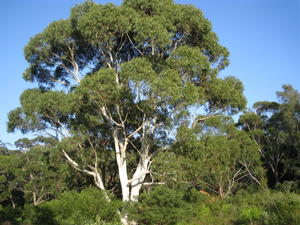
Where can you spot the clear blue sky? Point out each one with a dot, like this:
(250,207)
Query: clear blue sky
(263,37)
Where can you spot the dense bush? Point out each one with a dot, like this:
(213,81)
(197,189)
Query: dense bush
(73,208)
(167,207)
(88,207)
(9,216)
(268,208)
(160,206)
(98,221)
(261,208)
(37,215)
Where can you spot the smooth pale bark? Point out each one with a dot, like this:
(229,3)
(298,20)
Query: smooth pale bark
(12,202)
(37,200)
(34,199)
(98,180)
(145,160)
(138,178)
(120,149)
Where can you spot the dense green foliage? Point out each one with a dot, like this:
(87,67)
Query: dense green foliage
(69,208)
(134,126)
(276,129)
(163,206)
(167,206)
(229,159)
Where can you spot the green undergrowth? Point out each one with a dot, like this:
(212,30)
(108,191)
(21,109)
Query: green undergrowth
(161,206)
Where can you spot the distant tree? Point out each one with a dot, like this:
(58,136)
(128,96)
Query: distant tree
(214,156)
(9,194)
(3,148)
(40,175)
(276,128)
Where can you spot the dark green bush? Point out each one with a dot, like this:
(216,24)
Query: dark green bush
(73,208)
(37,215)
(283,208)
(244,208)
(160,206)
(209,212)
(88,207)
(267,208)
(10,216)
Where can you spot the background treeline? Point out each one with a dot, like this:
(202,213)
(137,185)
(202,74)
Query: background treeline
(218,172)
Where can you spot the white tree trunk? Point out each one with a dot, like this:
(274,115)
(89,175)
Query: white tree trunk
(138,178)
(120,149)
(124,180)
(34,199)
(144,163)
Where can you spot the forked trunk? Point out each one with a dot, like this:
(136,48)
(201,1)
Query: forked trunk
(138,178)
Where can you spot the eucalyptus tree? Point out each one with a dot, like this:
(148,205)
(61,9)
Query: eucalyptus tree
(214,156)
(9,195)
(275,128)
(3,148)
(32,175)
(40,172)
(118,79)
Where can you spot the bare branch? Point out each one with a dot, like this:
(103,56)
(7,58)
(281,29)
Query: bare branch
(203,119)
(95,153)
(253,177)
(135,132)
(71,161)
(109,117)
(58,81)
(153,183)
(137,178)
(133,44)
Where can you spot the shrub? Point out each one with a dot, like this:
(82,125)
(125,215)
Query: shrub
(244,208)
(161,206)
(73,208)
(267,208)
(98,221)
(9,216)
(250,215)
(283,208)
(37,215)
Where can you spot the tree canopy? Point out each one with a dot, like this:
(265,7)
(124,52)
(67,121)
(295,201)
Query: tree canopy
(275,127)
